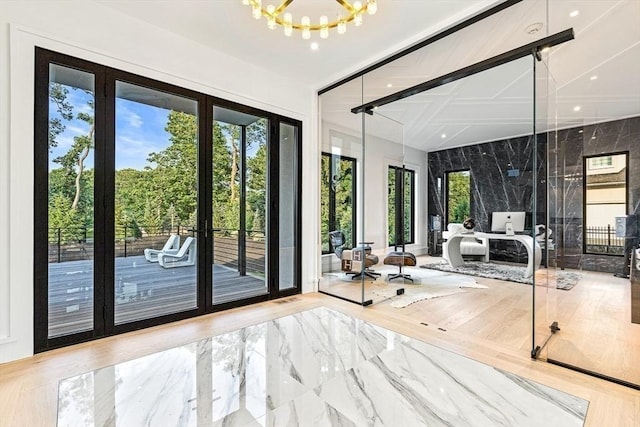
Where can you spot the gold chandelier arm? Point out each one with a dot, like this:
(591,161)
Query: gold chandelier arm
(279,9)
(278,13)
(347,6)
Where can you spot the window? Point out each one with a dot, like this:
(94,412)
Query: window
(338,197)
(401,199)
(152,202)
(600,162)
(458,196)
(605,197)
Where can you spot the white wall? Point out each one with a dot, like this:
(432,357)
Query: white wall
(379,155)
(96,33)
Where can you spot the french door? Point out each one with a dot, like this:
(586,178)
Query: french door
(154,203)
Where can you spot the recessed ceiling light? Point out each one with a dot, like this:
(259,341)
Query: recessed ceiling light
(574,13)
(580,131)
(594,77)
(593,137)
(444,135)
(314,46)
(389,85)
(576,108)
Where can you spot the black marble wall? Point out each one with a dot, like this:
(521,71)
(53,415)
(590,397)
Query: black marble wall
(567,213)
(494,190)
(501,180)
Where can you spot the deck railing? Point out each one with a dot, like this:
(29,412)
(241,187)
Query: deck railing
(603,240)
(76,243)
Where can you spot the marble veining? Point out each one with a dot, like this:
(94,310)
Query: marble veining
(314,368)
(494,189)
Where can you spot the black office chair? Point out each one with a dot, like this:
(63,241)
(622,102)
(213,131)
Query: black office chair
(352,259)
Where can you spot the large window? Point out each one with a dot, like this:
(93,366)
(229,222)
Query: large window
(605,197)
(154,203)
(338,198)
(401,200)
(458,196)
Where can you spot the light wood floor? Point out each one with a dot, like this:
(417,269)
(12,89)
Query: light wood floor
(28,388)
(594,317)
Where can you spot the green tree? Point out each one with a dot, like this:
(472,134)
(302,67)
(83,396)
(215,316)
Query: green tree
(73,160)
(63,220)
(175,173)
(223,209)
(256,189)
(459,190)
(72,180)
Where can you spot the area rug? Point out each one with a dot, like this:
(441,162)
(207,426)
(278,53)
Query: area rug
(433,290)
(512,273)
(424,286)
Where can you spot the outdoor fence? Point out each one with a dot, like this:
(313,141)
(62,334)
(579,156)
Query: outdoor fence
(77,243)
(603,240)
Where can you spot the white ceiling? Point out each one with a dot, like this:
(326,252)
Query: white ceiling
(492,105)
(498,103)
(227,26)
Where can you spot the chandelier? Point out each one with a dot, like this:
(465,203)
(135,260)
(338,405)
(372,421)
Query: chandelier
(277,15)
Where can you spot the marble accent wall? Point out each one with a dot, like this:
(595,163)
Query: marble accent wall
(495,184)
(567,212)
(494,190)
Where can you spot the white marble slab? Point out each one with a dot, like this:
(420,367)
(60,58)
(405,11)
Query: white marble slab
(317,367)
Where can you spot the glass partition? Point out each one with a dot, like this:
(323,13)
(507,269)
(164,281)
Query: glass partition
(545,291)
(594,192)
(344,262)
(524,165)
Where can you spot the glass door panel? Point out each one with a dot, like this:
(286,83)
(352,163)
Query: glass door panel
(287,223)
(239,205)
(70,207)
(156,154)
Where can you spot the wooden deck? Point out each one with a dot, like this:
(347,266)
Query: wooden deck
(143,290)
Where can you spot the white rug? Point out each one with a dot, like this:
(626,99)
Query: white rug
(427,284)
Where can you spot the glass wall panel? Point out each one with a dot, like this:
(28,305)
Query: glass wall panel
(70,209)
(156,153)
(287,223)
(239,205)
(596,188)
(342,187)
(546,290)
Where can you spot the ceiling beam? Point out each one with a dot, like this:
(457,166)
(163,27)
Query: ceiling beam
(533,48)
(447,32)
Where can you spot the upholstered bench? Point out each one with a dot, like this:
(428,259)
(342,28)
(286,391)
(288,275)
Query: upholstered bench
(400,259)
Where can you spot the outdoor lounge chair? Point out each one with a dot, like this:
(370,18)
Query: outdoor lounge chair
(184,257)
(172,246)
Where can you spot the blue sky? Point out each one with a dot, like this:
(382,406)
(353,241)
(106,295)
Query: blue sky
(139,131)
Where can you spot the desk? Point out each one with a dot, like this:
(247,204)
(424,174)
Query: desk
(534,253)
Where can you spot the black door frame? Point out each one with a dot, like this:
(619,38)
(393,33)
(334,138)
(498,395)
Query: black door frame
(104,201)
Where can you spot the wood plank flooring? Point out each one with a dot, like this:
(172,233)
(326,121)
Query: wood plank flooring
(28,388)
(143,290)
(594,317)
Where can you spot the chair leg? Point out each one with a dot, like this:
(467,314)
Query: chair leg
(400,274)
(372,274)
(391,277)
